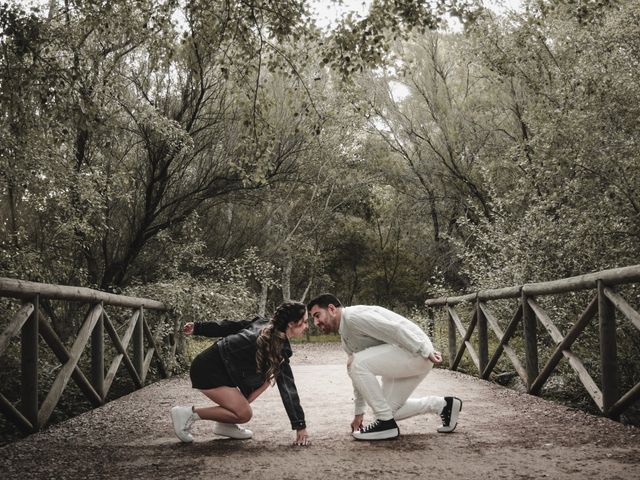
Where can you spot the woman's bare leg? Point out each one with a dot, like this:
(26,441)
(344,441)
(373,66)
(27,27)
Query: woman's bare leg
(232,407)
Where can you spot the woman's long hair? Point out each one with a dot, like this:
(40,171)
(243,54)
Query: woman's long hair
(272,337)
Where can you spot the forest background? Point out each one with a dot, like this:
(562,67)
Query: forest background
(222,156)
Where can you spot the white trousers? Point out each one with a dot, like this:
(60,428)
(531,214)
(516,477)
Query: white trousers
(400,372)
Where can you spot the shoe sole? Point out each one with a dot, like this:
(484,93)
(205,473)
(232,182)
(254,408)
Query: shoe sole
(235,433)
(235,437)
(173,421)
(454,417)
(384,435)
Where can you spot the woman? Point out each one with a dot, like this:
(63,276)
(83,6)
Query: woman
(234,371)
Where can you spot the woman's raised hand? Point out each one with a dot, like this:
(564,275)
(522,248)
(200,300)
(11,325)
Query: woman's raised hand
(188,328)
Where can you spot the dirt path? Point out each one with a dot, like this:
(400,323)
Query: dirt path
(501,434)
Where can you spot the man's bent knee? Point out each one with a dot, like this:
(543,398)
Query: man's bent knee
(356,367)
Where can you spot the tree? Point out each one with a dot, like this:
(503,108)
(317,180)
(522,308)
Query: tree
(358,45)
(147,129)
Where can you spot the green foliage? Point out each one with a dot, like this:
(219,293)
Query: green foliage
(573,208)
(135,131)
(218,294)
(360,44)
(129,142)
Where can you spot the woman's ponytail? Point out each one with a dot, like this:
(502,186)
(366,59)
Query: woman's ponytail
(272,337)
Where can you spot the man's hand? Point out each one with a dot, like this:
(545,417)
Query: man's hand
(435,357)
(188,328)
(302,438)
(356,424)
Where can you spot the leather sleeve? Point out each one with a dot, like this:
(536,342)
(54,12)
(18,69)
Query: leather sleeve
(221,328)
(290,398)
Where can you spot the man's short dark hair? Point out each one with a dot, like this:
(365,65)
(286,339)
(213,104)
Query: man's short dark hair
(323,301)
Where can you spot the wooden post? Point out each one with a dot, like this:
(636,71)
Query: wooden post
(138,345)
(483,339)
(29,349)
(453,349)
(529,324)
(97,355)
(608,350)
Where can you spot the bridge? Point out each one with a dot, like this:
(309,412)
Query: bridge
(501,434)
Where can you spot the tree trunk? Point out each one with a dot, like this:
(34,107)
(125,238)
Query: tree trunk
(262,302)
(14,215)
(306,290)
(286,275)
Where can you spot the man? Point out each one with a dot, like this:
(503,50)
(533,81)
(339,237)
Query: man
(382,343)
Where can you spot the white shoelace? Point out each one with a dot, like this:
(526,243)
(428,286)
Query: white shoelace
(370,427)
(189,423)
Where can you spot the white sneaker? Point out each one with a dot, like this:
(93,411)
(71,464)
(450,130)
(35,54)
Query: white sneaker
(232,430)
(183,418)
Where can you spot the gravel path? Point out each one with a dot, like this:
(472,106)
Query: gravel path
(501,434)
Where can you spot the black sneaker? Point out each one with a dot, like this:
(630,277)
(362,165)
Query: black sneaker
(449,414)
(378,430)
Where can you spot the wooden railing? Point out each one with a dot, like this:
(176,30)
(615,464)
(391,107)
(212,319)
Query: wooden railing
(31,323)
(604,303)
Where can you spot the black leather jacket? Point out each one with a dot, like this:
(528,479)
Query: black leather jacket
(238,351)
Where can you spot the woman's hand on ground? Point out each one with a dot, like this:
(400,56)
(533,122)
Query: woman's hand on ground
(302,438)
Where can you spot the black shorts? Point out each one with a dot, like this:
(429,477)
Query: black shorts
(208,370)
